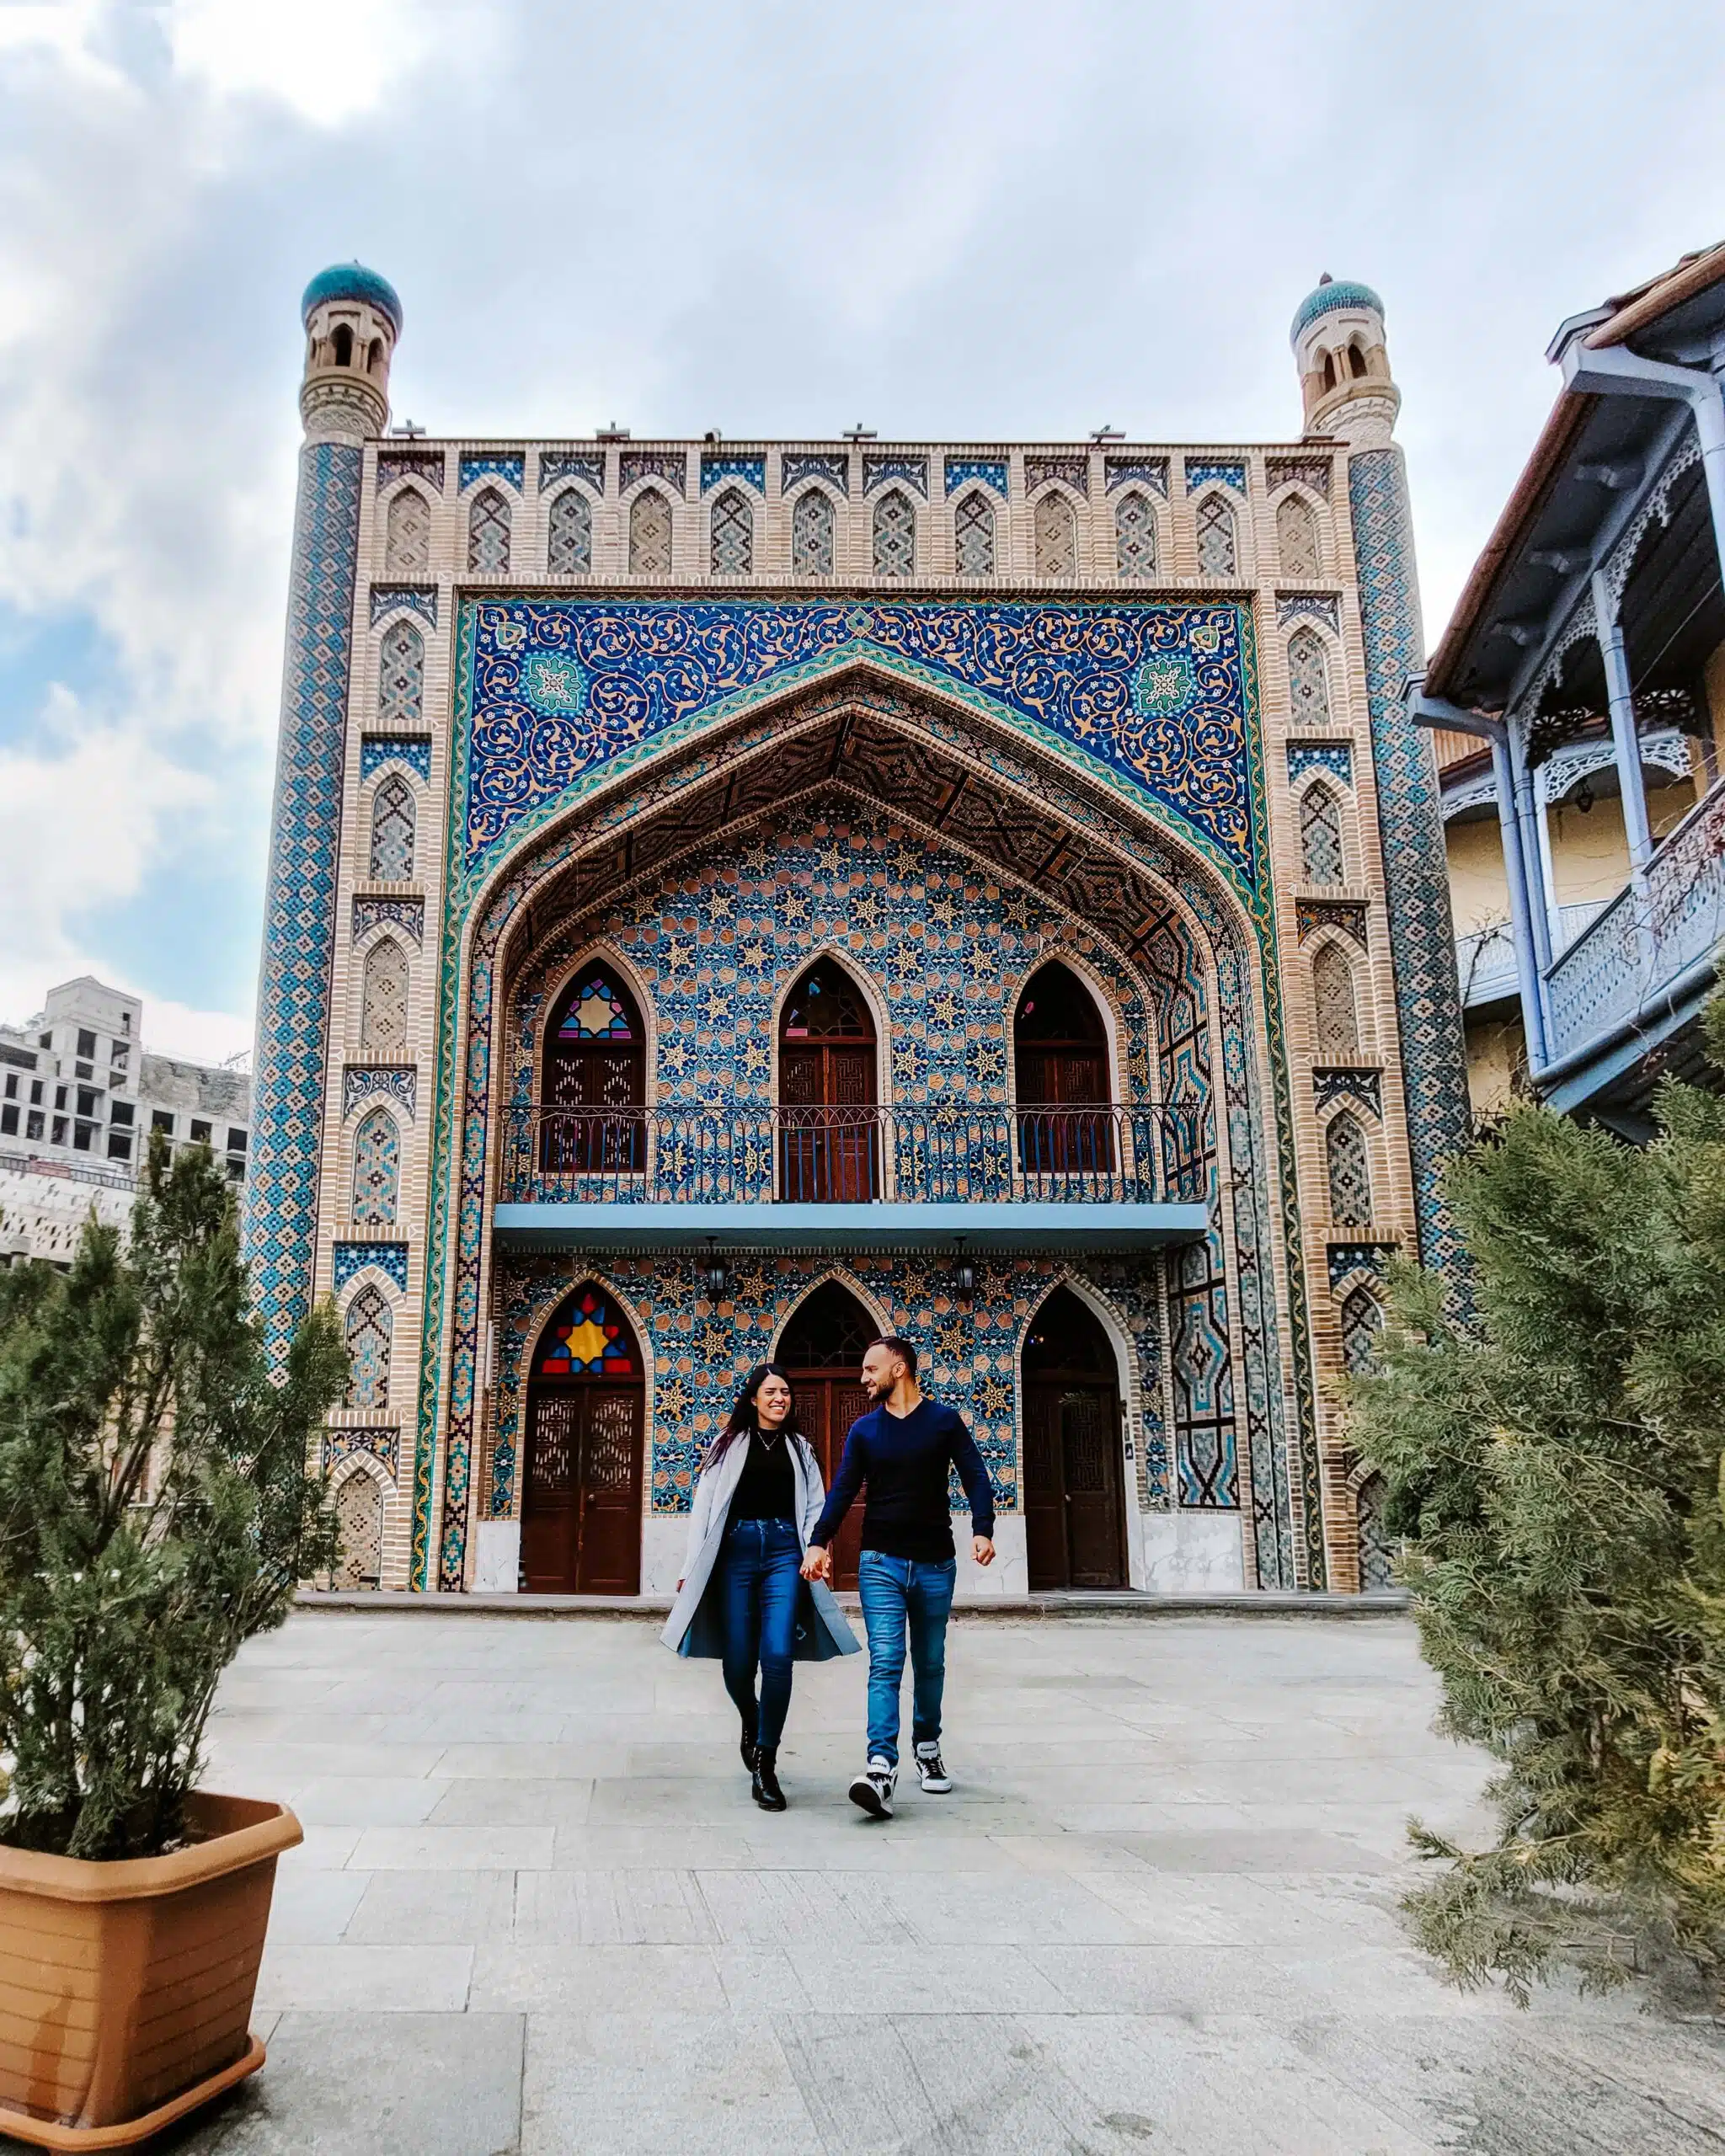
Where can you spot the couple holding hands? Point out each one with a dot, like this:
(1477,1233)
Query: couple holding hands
(755,1593)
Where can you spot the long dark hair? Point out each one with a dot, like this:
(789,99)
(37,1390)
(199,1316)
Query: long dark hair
(744,1421)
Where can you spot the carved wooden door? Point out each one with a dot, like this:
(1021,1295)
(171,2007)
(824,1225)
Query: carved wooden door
(581,1513)
(824,1406)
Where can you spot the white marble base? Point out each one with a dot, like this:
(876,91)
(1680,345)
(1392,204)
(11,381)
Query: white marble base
(497,1557)
(1009,1574)
(665,1542)
(1192,1553)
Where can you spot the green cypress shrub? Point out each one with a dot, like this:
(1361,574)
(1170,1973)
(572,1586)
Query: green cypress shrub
(156,1508)
(1556,1461)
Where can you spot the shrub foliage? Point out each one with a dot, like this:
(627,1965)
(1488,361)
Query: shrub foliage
(156,1508)
(1555,1464)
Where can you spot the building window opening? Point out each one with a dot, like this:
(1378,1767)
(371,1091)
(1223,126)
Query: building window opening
(1075,1514)
(1061,1069)
(343,344)
(829,1139)
(592,1119)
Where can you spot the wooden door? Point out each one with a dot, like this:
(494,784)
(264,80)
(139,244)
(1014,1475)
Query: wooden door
(1060,1068)
(823,1406)
(595,1060)
(581,1511)
(830,1146)
(1075,1515)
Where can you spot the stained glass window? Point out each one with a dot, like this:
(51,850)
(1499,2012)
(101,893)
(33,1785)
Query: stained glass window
(1321,836)
(586,1339)
(1361,1320)
(732,534)
(406,544)
(1296,536)
(383,1022)
(811,533)
(1349,1171)
(649,534)
(376,1169)
(1134,535)
(597,1013)
(973,536)
(569,544)
(1332,1002)
(1056,541)
(487,533)
(370,1326)
(393,831)
(1216,552)
(1308,677)
(894,536)
(401,675)
(827,1002)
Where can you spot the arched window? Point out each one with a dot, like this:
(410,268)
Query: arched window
(343,345)
(1362,1320)
(830,1146)
(1349,1172)
(732,534)
(894,536)
(393,831)
(374,356)
(1296,536)
(972,536)
(649,534)
(406,544)
(376,1169)
(811,533)
(568,541)
(359,1522)
(401,675)
(1377,1546)
(370,1327)
(1329,374)
(1055,536)
(1356,361)
(487,533)
(383,1015)
(1321,858)
(1060,1067)
(1134,535)
(1338,1019)
(1217,555)
(1308,678)
(595,1077)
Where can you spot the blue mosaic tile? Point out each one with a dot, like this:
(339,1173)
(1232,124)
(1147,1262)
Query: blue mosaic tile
(1333,756)
(419,599)
(911,471)
(424,464)
(409,914)
(512,470)
(413,749)
(991,470)
(1292,606)
(584,464)
(1152,472)
(1346,1259)
(716,470)
(382,1445)
(395,1082)
(1200,475)
(668,466)
(391,1260)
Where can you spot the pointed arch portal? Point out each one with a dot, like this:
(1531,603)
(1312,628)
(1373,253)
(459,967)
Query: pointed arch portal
(821,1346)
(581,1506)
(1075,1510)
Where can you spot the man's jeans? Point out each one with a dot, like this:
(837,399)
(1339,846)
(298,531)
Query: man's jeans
(900,1593)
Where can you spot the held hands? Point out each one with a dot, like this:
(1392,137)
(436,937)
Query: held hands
(982,1550)
(817,1563)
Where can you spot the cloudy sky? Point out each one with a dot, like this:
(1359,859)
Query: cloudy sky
(946,220)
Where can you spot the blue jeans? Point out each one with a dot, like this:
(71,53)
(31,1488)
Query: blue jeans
(762,1562)
(901,1593)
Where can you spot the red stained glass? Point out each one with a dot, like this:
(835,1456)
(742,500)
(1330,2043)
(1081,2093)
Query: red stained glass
(586,1339)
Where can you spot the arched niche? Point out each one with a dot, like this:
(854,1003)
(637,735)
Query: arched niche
(581,1496)
(828,1084)
(821,1345)
(1074,1485)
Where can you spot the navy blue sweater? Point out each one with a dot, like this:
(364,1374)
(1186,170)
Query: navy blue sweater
(904,1460)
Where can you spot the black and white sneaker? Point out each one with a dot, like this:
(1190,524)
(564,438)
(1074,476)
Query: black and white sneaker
(872,1789)
(931,1771)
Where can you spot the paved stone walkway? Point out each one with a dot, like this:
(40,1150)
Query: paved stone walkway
(536,1910)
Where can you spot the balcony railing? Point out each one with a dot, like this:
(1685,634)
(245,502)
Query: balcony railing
(762,1155)
(1648,937)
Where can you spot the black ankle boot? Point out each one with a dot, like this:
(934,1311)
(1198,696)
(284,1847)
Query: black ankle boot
(750,1750)
(766,1792)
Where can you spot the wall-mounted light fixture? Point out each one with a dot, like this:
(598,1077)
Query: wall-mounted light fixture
(963,1272)
(718,1274)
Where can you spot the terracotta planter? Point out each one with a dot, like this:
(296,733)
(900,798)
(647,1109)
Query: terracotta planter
(125,1989)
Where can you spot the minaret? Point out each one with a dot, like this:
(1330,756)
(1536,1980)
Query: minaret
(1345,381)
(1350,395)
(352,319)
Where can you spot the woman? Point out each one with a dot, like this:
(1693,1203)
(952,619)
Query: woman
(742,1597)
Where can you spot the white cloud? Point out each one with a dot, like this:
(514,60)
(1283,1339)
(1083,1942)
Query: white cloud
(330,61)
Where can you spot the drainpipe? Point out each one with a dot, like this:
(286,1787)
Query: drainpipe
(1438,711)
(1626,743)
(1616,371)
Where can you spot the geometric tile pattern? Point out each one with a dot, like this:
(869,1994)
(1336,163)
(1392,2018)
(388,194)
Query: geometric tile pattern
(572,464)
(716,470)
(1416,878)
(1344,1084)
(991,470)
(360,1082)
(384,1445)
(1292,471)
(1304,756)
(1159,692)
(409,914)
(1152,472)
(793,469)
(1314,605)
(912,470)
(413,749)
(1220,475)
(509,468)
(1348,915)
(1345,1258)
(391,1259)
(419,599)
(1073,472)
(426,465)
(668,465)
(299,906)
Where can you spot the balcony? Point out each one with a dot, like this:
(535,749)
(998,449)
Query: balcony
(767,1178)
(1634,979)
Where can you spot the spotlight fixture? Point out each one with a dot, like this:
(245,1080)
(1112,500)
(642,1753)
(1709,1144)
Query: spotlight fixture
(718,1274)
(964,1273)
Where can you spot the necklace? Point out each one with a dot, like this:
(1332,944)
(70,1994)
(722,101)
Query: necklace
(768,1438)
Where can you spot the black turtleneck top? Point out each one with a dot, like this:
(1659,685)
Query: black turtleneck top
(766,1490)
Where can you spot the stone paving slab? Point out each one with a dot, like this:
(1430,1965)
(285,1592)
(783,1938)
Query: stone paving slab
(536,1912)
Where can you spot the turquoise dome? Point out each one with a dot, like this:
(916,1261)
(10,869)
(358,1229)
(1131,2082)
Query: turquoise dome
(351,280)
(1331,293)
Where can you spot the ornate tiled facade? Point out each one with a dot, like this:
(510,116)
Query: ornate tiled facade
(940,781)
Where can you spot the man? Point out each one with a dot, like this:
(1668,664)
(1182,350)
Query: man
(903,1449)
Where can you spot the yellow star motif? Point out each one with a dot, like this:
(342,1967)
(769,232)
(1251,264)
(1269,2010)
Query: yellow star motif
(597,1013)
(587,1341)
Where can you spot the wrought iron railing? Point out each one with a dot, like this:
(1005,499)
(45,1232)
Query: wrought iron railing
(742,1155)
(1667,920)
